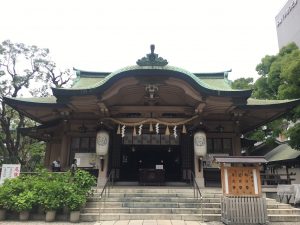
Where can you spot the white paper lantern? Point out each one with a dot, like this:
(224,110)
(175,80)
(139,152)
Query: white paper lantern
(200,145)
(102,142)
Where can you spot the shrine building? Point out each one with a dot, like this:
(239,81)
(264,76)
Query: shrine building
(150,117)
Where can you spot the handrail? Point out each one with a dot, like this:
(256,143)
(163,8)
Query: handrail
(196,189)
(193,182)
(106,190)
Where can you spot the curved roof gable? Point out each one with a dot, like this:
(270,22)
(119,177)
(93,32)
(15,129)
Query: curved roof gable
(215,84)
(91,82)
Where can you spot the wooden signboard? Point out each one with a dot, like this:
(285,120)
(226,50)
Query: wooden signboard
(241,181)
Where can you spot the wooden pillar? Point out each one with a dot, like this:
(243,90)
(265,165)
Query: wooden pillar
(237,148)
(47,154)
(116,154)
(187,161)
(64,150)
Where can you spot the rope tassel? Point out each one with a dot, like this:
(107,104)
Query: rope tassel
(183,129)
(167,131)
(119,129)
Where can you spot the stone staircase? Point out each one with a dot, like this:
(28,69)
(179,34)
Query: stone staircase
(176,203)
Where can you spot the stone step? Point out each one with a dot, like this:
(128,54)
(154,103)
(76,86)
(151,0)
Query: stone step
(85,217)
(147,190)
(154,210)
(159,199)
(279,206)
(206,210)
(124,216)
(289,211)
(155,195)
(284,218)
(158,190)
(150,205)
(143,203)
(207,205)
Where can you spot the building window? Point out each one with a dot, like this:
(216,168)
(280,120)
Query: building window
(82,145)
(219,145)
(151,139)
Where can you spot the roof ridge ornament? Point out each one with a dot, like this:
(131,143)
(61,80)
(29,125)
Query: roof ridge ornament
(152,59)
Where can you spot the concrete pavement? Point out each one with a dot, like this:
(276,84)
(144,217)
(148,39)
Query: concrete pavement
(134,222)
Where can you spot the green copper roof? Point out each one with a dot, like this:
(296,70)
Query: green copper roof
(133,68)
(213,84)
(93,82)
(86,82)
(220,84)
(86,79)
(281,153)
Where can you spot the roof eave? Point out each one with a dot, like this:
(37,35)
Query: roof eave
(85,73)
(59,92)
(15,103)
(287,106)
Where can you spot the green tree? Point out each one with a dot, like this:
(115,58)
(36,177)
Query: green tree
(294,134)
(242,83)
(22,67)
(280,79)
(279,75)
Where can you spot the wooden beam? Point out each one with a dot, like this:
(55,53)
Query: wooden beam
(153,109)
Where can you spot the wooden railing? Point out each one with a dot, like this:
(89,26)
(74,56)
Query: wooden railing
(106,190)
(243,210)
(275,179)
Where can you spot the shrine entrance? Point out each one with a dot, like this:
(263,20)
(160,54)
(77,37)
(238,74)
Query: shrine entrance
(164,159)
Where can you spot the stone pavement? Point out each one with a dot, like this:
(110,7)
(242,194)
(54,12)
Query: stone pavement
(134,222)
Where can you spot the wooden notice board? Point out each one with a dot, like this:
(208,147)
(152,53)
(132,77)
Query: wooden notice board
(241,181)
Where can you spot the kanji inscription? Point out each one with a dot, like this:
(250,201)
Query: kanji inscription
(240,181)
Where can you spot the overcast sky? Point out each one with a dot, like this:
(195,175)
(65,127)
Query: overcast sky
(98,35)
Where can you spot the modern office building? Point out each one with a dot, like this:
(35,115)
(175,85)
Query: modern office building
(288,23)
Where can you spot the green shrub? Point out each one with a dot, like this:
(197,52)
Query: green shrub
(50,190)
(84,180)
(24,201)
(4,197)
(13,187)
(75,198)
(18,194)
(51,195)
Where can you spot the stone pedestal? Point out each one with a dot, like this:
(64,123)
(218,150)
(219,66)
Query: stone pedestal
(199,172)
(101,181)
(200,182)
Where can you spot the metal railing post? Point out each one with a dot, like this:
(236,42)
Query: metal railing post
(105,191)
(197,192)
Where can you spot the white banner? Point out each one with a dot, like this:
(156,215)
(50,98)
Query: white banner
(9,171)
